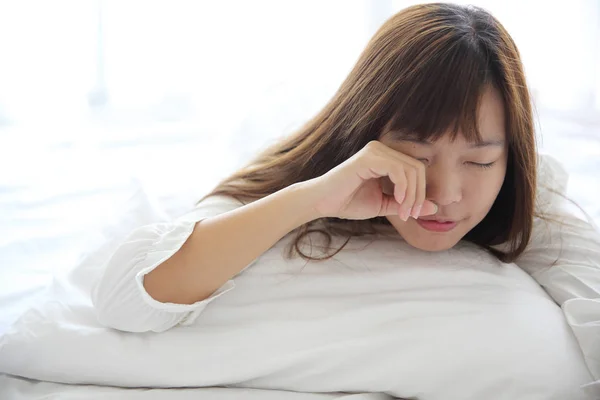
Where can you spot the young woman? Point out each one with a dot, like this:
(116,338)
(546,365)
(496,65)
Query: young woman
(425,156)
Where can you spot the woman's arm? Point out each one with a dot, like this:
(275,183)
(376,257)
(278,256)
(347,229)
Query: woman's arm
(221,246)
(120,297)
(166,274)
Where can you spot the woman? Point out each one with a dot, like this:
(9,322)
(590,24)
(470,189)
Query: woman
(427,150)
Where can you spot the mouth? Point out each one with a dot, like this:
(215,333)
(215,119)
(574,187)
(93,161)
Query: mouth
(437,225)
(440,220)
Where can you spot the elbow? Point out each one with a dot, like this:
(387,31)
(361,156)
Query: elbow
(107,318)
(119,317)
(126,310)
(118,297)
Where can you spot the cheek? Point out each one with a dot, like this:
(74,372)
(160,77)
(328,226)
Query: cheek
(483,190)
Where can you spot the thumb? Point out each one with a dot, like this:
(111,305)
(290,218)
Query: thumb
(429,208)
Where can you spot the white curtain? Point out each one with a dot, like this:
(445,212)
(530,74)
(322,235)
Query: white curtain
(560,45)
(71,67)
(105,103)
(102,101)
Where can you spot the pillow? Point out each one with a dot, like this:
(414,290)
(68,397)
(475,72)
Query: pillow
(436,326)
(563,256)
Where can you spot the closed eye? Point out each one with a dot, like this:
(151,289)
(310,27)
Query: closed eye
(488,165)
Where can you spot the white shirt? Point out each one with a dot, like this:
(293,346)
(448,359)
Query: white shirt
(573,281)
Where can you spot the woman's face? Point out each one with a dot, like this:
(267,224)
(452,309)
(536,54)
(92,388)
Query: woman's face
(462,179)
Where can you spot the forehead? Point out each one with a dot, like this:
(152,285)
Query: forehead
(491,114)
(489,124)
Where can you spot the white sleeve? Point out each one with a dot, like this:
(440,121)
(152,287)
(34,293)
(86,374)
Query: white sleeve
(119,297)
(563,256)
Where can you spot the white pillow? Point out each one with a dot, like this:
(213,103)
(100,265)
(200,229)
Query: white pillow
(455,323)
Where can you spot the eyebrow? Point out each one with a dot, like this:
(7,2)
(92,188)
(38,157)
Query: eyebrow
(476,145)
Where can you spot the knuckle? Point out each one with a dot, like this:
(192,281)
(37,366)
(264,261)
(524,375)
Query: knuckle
(373,145)
(363,156)
(369,150)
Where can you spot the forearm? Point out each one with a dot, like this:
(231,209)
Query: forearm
(221,246)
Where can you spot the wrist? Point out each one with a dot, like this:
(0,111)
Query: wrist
(301,198)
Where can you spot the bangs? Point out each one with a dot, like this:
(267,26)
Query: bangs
(441,95)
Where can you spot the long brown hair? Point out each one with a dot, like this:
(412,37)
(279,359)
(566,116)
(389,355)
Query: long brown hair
(423,72)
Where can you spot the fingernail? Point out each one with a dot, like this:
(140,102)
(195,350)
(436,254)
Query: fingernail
(436,208)
(406,214)
(416,212)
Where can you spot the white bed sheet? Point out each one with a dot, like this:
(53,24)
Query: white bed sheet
(14,388)
(51,218)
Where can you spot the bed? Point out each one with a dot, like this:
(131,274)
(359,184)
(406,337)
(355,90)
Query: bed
(62,202)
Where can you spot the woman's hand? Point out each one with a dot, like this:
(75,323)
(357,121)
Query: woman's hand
(355,188)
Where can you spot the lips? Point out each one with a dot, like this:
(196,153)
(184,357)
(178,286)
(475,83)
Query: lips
(435,225)
(439,220)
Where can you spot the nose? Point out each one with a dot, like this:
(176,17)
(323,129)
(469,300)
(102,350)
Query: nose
(444,185)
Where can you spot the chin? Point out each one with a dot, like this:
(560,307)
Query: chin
(430,245)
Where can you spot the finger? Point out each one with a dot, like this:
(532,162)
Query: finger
(391,174)
(384,166)
(429,208)
(409,162)
(420,191)
(389,206)
(398,178)
(409,199)
(399,156)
